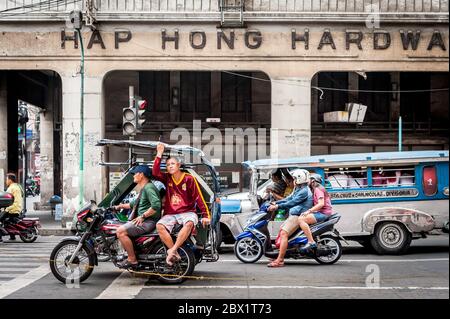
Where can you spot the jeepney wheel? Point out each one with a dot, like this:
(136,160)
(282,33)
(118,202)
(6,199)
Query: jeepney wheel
(391,239)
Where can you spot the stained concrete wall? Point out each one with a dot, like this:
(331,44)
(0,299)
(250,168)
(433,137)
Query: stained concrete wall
(3,130)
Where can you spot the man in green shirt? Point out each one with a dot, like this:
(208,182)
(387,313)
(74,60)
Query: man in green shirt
(146,211)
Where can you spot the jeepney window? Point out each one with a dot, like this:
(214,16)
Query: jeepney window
(346,178)
(393,176)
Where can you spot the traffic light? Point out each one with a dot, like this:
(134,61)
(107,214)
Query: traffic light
(22,115)
(141,106)
(129,121)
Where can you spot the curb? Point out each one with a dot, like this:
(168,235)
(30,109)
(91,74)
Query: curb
(55,232)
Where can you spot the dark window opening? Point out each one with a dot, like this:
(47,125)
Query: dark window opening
(155,88)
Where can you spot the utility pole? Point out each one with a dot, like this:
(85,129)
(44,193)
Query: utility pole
(76,18)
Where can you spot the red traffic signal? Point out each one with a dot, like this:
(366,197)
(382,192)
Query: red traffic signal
(142,104)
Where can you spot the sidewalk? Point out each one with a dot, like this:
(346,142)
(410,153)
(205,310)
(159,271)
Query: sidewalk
(49,225)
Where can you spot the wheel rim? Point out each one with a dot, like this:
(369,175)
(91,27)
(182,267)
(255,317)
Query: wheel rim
(334,247)
(391,236)
(248,249)
(178,270)
(29,234)
(74,271)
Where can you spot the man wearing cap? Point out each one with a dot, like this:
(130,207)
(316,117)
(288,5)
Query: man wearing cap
(146,211)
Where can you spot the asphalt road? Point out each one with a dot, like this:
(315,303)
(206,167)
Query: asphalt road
(422,273)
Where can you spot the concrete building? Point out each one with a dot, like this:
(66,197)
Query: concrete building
(274,64)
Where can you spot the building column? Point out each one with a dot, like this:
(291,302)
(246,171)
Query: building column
(3,130)
(94,129)
(46,145)
(291,117)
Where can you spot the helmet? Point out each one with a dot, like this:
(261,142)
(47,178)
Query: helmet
(317,178)
(301,176)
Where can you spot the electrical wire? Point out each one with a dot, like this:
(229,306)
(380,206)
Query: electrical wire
(49,5)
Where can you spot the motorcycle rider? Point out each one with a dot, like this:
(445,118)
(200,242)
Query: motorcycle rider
(183,197)
(15,209)
(297,203)
(146,211)
(319,212)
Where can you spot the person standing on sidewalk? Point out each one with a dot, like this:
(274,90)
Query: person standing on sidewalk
(15,209)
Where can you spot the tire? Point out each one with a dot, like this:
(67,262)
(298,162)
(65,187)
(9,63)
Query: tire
(29,235)
(248,250)
(391,238)
(336,248)
(183,273)
(71,278)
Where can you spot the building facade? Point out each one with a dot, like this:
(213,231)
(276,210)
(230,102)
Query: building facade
(260,64)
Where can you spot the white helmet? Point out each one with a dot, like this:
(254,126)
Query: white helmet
(301,176)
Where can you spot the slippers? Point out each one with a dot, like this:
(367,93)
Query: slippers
(275,264)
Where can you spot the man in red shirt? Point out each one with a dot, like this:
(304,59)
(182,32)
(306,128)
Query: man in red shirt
(183,197)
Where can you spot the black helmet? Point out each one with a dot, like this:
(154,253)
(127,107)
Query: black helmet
(316,177)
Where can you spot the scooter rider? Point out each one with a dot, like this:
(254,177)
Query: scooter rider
(297,203)
(146,212)
(15,209)
(318,213)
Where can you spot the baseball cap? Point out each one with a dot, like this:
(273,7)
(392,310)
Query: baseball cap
(142,169)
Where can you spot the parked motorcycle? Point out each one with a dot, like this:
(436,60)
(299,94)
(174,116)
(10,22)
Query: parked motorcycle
(74,258)
(25,228)
(31,188)
(255,241)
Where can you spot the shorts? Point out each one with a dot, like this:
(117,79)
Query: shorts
(169,221)
(291,225)
(320,217)
(145,228)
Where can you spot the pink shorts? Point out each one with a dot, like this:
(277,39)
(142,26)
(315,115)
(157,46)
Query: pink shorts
(169,221)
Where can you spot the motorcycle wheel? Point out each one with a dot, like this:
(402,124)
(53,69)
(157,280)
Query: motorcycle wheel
(76,272)
(29,235)
(336,250)
(248,250)
(180,270)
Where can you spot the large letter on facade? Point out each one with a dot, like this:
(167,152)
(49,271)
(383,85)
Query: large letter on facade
(166,38)
(256,37)
(96,38)
(229,41)
(376,40)
(410,38)
(65,38)
(202,36)
(436,40)
(121,36)
(355,37)
(300,38)
(327,39)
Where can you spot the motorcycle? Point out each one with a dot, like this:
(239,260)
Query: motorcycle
(255,241)
(74,258)
(26,228)
(31,188)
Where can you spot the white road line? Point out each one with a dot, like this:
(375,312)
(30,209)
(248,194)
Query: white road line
(15,269)
(351,260)
(22,281)
(20,263)
(123,287)
(297,287)
(25,256)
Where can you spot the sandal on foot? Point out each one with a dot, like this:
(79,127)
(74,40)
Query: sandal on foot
(275,264)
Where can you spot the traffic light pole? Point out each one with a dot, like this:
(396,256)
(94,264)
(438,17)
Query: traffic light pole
(131,138)
(24,165)
(81,173)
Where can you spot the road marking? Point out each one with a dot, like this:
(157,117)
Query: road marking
(20,263)
(123,287)
(350,260)
(297,287)
(16,269)
(22,281)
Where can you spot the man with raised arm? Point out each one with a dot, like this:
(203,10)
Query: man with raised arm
(183,198)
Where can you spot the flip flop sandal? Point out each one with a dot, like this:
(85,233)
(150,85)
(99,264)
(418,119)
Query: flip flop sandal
(275,265)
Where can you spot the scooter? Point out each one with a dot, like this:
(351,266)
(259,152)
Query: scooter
(255,241)
(25,228)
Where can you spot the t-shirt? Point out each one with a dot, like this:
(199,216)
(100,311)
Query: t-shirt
(319,193)
(182,196)
(16,191)
(149,199)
